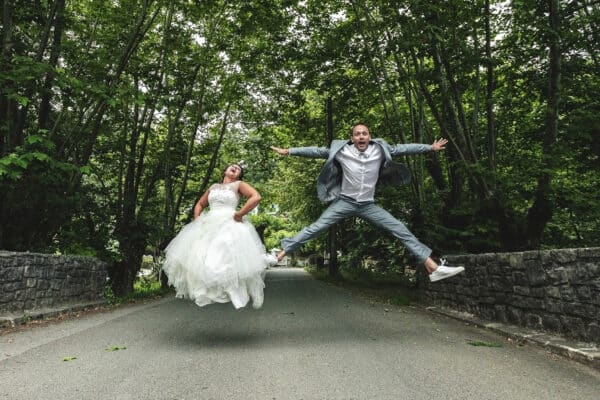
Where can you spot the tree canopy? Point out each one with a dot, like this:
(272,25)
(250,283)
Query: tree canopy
(116,116)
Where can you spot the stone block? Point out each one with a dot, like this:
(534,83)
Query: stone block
(514,315)
(534,304)
(486,300)
(17,305)
(592,312)
(496,270)
(13,286)
(576,309)
(498,284)
(7,297)
(30,304)
(462,289)
(42,284)
(535,275)
(588,252)
(552,306)
(533,321)
(567,293)
(518,278)
(553,292)
(552,322)
(45,302)
(531,255)
(573,326)
(537,292)
(500,298)
(487,313)
(593,332)
(579,274)
(20,295)
(583,293)
(515,261)
(525,303)
(592,269)
(30,293)
(10,274)
(32,271)
(558,276)
(485,258)
(500,314)
(521,290)
(561,256)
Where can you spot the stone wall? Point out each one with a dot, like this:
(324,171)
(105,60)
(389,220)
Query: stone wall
(30,282)
(550,290)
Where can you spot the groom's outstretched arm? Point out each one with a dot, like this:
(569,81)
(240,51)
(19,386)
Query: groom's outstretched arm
(310,152)
(279,150)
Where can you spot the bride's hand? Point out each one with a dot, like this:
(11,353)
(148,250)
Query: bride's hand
(237,217)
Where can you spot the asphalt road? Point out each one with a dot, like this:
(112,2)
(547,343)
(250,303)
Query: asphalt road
(310,340)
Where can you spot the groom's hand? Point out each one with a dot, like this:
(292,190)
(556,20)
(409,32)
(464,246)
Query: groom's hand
(278,150)
(439,144)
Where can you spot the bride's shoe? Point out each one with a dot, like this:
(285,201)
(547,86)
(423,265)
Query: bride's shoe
(271,260)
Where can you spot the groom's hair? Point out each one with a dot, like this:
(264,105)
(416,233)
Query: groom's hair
(359,123)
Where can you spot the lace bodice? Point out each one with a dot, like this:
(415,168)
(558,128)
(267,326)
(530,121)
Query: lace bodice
(224,195)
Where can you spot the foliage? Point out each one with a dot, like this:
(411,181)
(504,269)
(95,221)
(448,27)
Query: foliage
(143,289)
(116,116)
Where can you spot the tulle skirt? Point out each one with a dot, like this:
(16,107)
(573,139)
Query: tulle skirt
(215,259)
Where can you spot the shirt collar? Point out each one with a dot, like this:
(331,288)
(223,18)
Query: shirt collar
(365,154)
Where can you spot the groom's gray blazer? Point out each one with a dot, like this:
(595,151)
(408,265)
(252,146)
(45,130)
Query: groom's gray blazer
(329,182)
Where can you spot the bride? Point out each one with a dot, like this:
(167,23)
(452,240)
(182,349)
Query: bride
(219,257)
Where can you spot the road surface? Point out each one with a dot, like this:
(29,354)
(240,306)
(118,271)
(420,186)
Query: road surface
(311,340)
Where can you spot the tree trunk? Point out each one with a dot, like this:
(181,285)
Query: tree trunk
(132,240)
(8,107)
(213,160)
(332,233)
(140,30)
(44,111)
(489,98)
(542,209)
(30,87)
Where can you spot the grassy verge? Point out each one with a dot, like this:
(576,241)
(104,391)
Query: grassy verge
(142,290)
(388,288)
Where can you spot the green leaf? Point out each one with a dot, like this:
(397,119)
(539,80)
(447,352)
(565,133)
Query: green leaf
(115,348)
(69,358)
(40,156)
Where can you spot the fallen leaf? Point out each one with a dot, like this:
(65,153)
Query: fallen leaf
(115,348)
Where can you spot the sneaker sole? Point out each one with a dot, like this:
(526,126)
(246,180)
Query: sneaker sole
(439,278)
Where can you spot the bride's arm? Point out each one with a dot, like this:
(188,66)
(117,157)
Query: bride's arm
(201,204)
(252,201)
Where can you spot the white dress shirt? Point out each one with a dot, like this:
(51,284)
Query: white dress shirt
(360,171)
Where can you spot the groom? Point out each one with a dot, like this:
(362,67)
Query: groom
(348,180)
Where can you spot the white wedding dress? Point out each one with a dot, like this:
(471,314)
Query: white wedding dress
(215,259)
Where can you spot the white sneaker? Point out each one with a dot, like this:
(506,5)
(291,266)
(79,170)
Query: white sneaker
(271,260)
(443,272)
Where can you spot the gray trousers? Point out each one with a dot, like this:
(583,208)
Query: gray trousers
(345,207)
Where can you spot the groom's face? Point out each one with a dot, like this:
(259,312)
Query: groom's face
(361,137)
